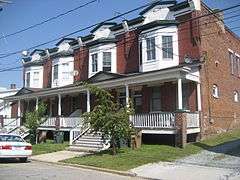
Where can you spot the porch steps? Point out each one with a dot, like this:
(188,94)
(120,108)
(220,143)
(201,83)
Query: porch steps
(89,143)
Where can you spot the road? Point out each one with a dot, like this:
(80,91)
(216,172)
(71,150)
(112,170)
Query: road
(43,171)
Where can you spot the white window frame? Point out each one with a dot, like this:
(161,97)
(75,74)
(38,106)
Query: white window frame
(231,58)
(28,79)
(215,91)
(151,48)
(55,73)
(107,64)
(94,64)
(236,96)
(65,71)
(166,49)
(36,79)
(156,98)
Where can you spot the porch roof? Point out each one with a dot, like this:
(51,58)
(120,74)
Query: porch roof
(111,80)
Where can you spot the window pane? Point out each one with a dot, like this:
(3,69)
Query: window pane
(94,62)
(151,52)
(28,79)
(55,72)
(107,61)
(167,47)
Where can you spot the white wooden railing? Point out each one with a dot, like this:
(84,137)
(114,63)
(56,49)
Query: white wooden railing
(64,122)
(153,120)
(192,120)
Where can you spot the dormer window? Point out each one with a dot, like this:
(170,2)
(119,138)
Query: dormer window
(94,62)
(151,51)
(167,47)
(107,59)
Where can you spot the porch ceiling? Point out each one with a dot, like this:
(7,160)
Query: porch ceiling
(133,79)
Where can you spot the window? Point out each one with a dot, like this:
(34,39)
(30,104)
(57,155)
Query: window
(122,98)
(167,47)
(238,66)
(94,62)
(185,96)
(215,91)
(55,72)
(36,78)
(28,79)
(137,101)
(151,51)
(231,58)
(235,96)
(107,58)
(65,71)
(156,99)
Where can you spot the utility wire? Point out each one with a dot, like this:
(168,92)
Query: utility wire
(110,19)
(49,19)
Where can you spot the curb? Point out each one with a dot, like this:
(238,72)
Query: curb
(123,173)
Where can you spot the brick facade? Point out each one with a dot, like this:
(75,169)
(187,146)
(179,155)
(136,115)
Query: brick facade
(81,57)
(127,52)
(47,73)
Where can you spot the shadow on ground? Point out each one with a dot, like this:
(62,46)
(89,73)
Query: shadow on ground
(231,148)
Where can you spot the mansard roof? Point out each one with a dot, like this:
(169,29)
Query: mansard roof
(101,41)
(64,39)
(37,51)
(103,24)
(131,22)
(156,4)
(158,23)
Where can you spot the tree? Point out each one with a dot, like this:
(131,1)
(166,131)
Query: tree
(33,121)
(108,117)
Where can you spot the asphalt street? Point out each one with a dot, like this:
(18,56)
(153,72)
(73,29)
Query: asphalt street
(44,171)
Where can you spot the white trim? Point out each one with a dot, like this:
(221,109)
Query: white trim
(230,50)
(166,131)
(179,87)
(193,130)
(199,103)
(59,105)
(88,101)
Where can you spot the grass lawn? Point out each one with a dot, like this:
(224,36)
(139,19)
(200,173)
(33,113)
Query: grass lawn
(48,147)
(127,159)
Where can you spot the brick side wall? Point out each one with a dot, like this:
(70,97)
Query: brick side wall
(81,57)
(47,73)
(127,52)
(188,37)
(219,114)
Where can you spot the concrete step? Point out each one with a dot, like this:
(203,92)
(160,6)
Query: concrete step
(89,145)
(88,142)
(83,149)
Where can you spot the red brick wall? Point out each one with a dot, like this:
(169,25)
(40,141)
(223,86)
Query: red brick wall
(168,97)
(81,57)
(14,109)
(47,73)
(127,52)
(188,37)
(223,113)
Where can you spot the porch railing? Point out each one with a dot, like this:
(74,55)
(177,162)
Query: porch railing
(64,122)
(153,120)
(192,120)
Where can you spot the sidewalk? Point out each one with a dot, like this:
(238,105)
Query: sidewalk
(57,156)
(175,171)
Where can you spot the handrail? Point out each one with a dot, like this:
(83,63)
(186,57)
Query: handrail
(80,135)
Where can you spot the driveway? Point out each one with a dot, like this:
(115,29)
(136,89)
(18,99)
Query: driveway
(219,163)
(44,171)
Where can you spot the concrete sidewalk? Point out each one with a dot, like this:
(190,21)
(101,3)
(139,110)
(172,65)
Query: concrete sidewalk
(57,156)
(174,171)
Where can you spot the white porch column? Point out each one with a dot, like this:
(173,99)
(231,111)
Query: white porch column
(180,102)
(37,103)
(127,95)
(4,109)
(199,103)
(88,101)
(59,105)
(19,108)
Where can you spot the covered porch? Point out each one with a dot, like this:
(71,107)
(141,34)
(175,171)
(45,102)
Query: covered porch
(165,101)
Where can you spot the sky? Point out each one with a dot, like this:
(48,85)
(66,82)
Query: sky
(23,13)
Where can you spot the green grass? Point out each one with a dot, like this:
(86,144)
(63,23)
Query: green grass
(127,159)
(48,147)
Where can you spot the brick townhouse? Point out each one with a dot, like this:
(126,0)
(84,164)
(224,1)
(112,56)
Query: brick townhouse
(181,72)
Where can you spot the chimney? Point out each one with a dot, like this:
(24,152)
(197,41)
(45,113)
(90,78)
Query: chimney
(12,86)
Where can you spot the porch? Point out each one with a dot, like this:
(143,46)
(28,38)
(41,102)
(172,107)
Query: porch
(163,101)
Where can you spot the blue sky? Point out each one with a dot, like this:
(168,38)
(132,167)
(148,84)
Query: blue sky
(23,13)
